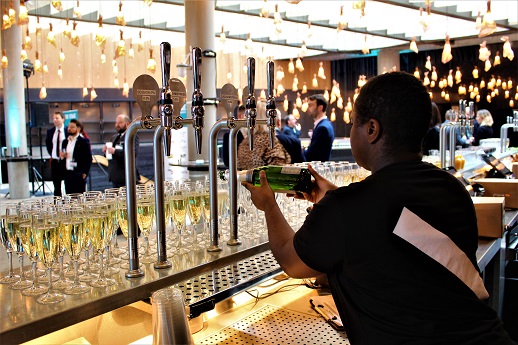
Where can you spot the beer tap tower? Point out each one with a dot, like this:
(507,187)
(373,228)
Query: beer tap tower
(465,123)
(172,96)
(229,99)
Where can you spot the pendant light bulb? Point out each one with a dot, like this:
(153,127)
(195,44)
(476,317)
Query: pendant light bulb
(321,73)
(446,52)
(23,14)
(43,91)
(291,66)
(413,46)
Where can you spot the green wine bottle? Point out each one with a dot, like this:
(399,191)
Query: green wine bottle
(282,179)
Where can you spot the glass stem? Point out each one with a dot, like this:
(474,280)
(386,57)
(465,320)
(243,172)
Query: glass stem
(20,260)
(61,270)
(34,275)
(49,272)
(146,253)
(10,260)
(76,275)
(87,263)
(101,270)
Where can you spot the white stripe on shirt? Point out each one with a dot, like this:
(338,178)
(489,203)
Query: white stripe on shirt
(441,248)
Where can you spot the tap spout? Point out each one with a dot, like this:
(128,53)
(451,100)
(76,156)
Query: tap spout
(271,110)
(197,109)
(251,107)
(165,102)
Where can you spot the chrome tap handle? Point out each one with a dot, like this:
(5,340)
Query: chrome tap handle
(165,103)
(471,118)
(165,58)
(462,116)
(271,111)
(197,109)
(251,107)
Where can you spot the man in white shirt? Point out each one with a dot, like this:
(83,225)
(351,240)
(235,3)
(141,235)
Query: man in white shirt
(77,155)
(53,141)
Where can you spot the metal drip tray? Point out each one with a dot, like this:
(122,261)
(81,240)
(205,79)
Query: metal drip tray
(204,291)
(274,325)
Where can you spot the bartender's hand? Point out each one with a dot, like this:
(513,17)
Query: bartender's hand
(110,150)
(320,187)
(262,196)
(104,148)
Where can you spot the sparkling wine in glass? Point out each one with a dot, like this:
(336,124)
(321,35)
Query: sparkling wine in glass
(10,277)
(179,215)
(194,210)
(100,235)
(13,220)
(46,227)
(73,238)
(28,238)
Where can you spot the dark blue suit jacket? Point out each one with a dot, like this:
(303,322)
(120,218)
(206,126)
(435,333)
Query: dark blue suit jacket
(82,155)
(50,135)
(319,148)
(292,145)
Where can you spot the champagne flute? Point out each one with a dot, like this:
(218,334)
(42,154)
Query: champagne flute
(145,216)
(46,227)
(87,274)
(10,277)
(111,201)
(206,213)
(179,215)
(73,238)
(194,206)
(28,237)
(100,234)
(13,221)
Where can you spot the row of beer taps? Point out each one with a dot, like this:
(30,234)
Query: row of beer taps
(170,99)
(466,124)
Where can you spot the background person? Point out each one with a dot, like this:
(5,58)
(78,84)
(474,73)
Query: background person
(77,155)
(292,128)
(262,154)
(54,141)
(319,148)
(423,285)
(290,142)
(484,129)
(432,137)
(116,167)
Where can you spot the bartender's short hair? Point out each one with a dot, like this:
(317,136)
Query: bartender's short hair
(402,106)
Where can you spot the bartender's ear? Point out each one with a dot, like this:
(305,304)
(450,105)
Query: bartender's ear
(373,131)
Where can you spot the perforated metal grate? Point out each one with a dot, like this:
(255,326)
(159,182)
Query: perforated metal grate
(274,325)
(226,281)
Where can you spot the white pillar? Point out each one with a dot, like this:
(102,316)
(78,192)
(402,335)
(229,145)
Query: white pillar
(199,32)
(388,58)
(14,108)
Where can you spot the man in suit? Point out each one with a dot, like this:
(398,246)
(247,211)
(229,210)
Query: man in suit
(77,155)
(116,167)
(319,148)
(53,141)
(290,142)
(292,128)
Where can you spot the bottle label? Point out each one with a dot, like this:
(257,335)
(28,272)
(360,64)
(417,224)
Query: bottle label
(292,170)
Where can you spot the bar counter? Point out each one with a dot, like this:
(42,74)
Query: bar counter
(22,319)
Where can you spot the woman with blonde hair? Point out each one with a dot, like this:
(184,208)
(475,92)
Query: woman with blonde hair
(262,154)
(484,129)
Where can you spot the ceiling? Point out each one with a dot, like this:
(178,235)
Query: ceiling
(384,23)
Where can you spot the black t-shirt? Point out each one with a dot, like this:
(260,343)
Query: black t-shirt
(388,289)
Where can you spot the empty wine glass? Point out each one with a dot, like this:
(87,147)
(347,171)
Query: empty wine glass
(10,277)
(13,220)
(46,227)
(73,238)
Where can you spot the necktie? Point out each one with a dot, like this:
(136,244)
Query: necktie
(57,143)
(117,138)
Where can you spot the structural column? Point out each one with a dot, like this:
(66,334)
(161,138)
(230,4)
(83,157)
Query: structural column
(14,109)
(388,58)
(199,32)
